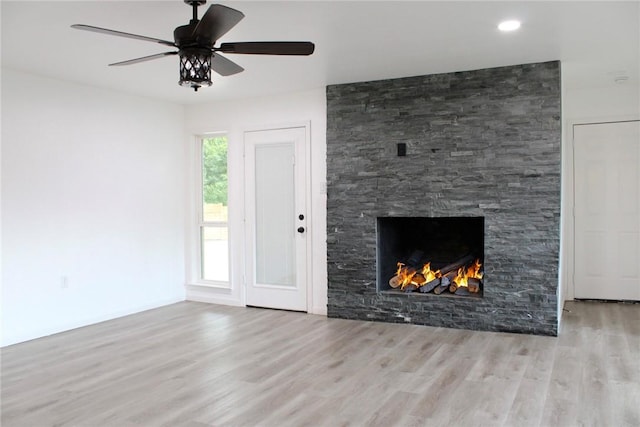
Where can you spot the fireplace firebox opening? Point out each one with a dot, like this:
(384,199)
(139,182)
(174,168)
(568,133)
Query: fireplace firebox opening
(436,256)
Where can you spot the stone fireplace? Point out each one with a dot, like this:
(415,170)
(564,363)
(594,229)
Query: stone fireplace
(482,146)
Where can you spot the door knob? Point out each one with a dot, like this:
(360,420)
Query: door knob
(300,229)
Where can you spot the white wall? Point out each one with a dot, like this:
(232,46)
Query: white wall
(587,105)
(264,113)
(92,193)
(598,103)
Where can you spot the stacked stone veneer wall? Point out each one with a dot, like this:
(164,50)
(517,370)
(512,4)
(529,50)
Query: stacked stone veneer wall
(479,143)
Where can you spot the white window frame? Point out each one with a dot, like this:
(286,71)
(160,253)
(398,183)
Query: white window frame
(201,223)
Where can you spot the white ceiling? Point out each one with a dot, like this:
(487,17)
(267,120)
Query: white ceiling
(355,41)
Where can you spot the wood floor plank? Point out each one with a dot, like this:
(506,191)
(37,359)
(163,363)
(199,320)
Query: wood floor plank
(197,365)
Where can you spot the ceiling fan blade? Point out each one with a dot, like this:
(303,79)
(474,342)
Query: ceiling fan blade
(143,59)
(224,66)
(216,21)
(268,48)
(121,34)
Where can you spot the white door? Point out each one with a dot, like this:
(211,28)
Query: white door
(276,222)
(607,218)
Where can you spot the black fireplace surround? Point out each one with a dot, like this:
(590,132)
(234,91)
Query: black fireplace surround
(477,144)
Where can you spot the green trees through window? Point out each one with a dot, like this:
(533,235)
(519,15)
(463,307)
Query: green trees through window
(214,170)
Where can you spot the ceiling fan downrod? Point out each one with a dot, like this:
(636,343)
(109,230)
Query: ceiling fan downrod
(194,4)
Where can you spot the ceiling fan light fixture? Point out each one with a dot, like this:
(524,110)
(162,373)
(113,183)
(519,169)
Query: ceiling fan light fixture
(195,67)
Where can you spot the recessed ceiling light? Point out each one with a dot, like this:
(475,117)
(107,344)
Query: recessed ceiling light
(511,25)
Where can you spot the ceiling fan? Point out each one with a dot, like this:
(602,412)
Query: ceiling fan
(196,45)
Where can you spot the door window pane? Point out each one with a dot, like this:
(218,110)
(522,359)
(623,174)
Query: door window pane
(275,248)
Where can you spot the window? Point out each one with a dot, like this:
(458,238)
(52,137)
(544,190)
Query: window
(214,227)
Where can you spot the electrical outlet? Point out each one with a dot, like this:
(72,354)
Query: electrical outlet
(64,282)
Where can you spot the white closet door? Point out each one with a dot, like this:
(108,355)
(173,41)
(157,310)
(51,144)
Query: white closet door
(607,214)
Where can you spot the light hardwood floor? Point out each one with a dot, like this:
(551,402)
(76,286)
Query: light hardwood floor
(193,364)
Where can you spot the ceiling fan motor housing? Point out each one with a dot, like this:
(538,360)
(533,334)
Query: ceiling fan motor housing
(183,35)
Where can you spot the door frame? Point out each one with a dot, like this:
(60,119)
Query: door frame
(567,245)
(307,202)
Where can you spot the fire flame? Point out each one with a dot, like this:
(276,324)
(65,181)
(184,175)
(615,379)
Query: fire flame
(428,274)
(407,275)
(463,275)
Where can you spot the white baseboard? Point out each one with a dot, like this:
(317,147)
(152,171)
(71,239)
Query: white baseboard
(214,296)
(320,310)
(203,294)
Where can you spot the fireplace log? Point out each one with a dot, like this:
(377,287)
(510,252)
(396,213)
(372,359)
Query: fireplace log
(451,275)
(453,267)
(440,289)
(428,287)
(415,259)
(452,285)
(418,279)
(395,281)
(474,285)
(463,290)
(410,287)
